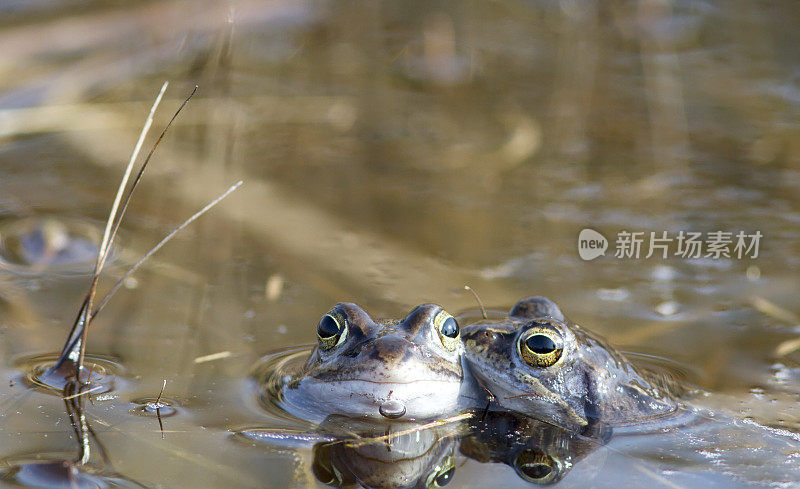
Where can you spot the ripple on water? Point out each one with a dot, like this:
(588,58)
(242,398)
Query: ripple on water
(671,371)
(53,244)
(103,374)
(48,471)
(272,373)
(155,407)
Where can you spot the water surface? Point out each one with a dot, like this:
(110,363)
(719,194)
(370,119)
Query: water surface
(391,154)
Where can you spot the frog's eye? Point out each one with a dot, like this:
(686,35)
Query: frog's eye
(450,328)
(537,468)
(331,330)
(447,329)
(442,474)
(541,346)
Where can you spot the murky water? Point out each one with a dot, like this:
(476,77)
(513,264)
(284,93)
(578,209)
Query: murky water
(392,153)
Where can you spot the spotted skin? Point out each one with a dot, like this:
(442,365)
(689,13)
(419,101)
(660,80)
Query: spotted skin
(376,362)
(590,383)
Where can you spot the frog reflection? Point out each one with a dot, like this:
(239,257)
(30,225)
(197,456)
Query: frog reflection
(408,369)
(539,453)
(48,243)
(373,453)
(535,362)
(400,456)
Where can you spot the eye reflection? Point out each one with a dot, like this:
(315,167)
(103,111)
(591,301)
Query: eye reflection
(443,474)
(537,468)
(445,478)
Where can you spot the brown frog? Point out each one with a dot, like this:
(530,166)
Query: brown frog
(535,362)
(363,368)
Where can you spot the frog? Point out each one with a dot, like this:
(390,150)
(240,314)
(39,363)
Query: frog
(535,362)
(411,369)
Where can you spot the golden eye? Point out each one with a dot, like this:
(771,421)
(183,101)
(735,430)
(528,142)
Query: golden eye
(541,346)
(447,329)
(537,468)
(331,330)
(442,474)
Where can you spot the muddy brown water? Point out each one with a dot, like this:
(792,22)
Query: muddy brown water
(391,153)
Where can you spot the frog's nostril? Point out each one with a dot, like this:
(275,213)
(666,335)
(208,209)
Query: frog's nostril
(392,409)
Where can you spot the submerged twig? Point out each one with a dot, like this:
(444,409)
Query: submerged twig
(77,420)
(81,392)
(73,404)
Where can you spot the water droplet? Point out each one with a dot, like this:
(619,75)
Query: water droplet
(392,409)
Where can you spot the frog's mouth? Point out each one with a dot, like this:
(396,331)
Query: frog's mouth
(416,399)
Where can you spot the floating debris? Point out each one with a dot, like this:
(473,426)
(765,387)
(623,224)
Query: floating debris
(274,287)
(668,308)
(214,356)
(773,310)
(616,295)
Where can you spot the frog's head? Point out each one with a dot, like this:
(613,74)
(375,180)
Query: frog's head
(350,342)
(363,367)
(536,362)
